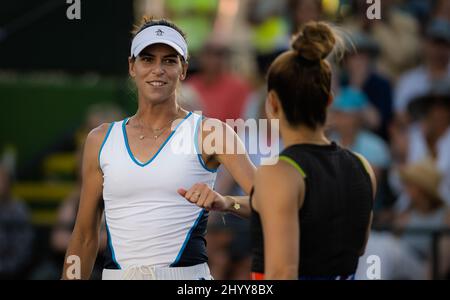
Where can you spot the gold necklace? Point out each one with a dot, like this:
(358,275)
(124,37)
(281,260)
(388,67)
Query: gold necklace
(161,130)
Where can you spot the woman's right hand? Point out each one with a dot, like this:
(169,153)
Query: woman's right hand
(203,196)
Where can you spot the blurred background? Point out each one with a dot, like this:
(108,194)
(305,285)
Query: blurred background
(60,78)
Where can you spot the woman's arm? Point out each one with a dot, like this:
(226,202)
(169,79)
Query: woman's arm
(234,159)
(229,151)
(279,194)
(85,237)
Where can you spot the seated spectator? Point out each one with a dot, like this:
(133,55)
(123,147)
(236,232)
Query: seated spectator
(360,72)
(346,121)
(441,9)
(432,75)
(304,11)
(396,33)
(228,247)
(427,210)
(430,135)
(397,262)
(346,124)
(16,234)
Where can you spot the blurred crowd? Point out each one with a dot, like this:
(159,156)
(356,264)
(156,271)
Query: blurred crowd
(392,105)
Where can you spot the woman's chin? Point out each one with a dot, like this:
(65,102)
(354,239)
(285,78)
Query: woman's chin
(156,98)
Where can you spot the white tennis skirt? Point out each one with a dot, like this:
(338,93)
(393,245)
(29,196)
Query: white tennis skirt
(197,272)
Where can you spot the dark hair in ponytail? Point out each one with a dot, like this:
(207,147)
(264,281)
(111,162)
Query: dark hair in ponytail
(301,77)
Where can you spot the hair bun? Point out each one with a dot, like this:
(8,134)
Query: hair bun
(315,41)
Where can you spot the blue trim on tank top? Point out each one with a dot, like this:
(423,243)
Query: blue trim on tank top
(160,148)
(188,237)
(105,139)
(111,248)
(199,155)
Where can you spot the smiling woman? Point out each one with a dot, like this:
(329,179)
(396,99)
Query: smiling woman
(148,68)
(153,232)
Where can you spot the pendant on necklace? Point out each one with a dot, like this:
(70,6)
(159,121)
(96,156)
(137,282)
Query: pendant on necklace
(141,137)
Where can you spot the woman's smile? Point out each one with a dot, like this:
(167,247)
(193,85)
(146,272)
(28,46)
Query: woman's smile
(156,83)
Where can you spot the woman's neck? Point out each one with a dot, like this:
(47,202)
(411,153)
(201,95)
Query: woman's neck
(303,135)
(156,114)
(346,139)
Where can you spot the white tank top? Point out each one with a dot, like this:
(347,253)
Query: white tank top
(147,221)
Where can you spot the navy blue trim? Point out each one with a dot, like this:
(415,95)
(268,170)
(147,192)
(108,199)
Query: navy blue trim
(187,238)
(160,148)
(199,155)
(111,248)
(104,140)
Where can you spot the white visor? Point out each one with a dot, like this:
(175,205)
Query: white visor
(159,35)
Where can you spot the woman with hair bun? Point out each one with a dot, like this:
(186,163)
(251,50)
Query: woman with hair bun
(312,210)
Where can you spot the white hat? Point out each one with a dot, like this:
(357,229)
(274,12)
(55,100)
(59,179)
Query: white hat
(159,34)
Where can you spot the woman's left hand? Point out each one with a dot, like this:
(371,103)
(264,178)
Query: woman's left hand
(203,196)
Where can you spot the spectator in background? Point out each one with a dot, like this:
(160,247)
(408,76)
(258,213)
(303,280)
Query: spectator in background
(397,34)
(360,72)
(421,10)
(429,136)
(432,75)
(16,234)
(223,95)
(228,247)
(427,209)
(398,262)
(304,11)
(269,27)
(196,17)
(346,123)
(442,10)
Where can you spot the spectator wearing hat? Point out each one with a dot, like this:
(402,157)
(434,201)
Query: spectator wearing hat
(347,120)
(427,209)
(348,115)
(429,136)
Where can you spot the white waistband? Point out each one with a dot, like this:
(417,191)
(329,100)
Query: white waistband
(197,272)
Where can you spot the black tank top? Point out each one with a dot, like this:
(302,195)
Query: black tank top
(335,213)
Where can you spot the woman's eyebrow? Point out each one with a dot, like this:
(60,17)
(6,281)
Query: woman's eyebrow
(152,55)
(171,56)
(145,54)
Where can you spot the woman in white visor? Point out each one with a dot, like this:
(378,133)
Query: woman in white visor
(146,166)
